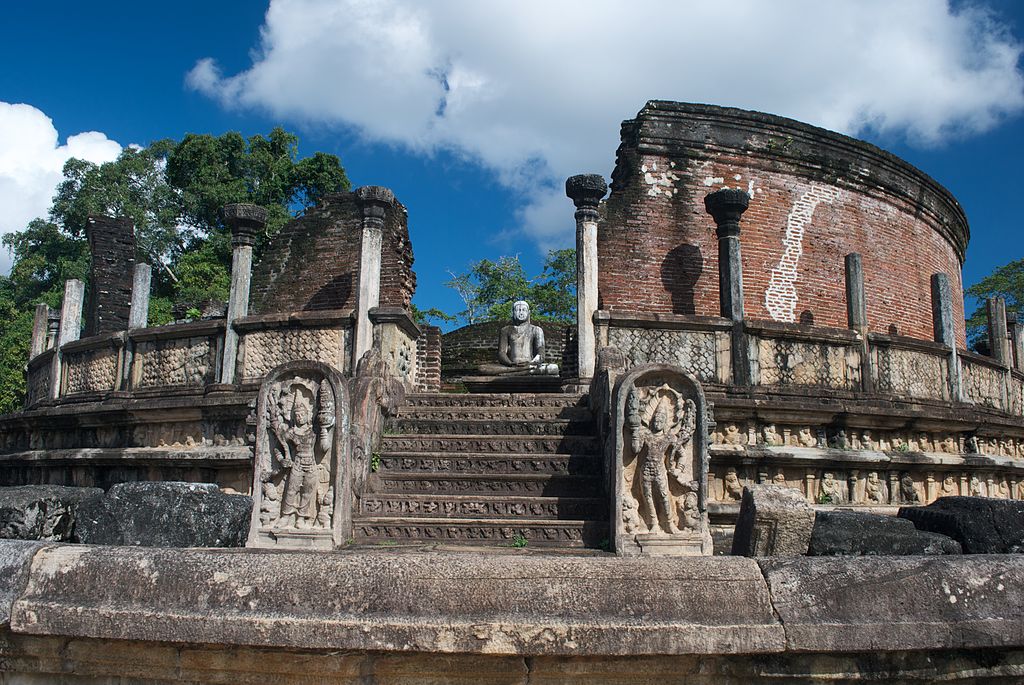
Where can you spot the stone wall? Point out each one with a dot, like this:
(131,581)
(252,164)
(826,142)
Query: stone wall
(112,244)
(313,263)
(815,197)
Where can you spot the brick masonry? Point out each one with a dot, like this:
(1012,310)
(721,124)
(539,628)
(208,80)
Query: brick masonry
(816,196)
(112,245)
(428,359)
(313,263)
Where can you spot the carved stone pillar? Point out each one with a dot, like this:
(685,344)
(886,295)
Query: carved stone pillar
(70,327)
(374,202)
(52,327)
(942,317)
(857,316)
(39,328)
(726,206)
(245,221)
(586,191)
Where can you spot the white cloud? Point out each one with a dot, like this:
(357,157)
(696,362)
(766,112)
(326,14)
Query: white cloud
(31,161)
(535,90)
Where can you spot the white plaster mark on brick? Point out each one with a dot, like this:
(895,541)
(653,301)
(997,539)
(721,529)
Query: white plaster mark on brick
(662,183)
(750,188)
(780,298)
(737,177)
(713,180)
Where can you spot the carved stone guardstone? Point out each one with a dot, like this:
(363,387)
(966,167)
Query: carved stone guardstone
(660,462)
(301,492)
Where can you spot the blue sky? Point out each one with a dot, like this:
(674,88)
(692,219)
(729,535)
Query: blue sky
(474,113)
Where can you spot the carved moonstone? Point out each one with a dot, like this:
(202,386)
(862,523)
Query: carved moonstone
(301,475)
(661,464)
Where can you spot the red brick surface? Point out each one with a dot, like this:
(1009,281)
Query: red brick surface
(658,249)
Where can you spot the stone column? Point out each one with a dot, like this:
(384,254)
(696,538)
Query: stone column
(374,202)
(40,325)
(998,342)
(586,191)
(857,316)
(70,327)
(245,221)
(138,315)
(52,327)
(942,317)
(726,207)
(1017,339)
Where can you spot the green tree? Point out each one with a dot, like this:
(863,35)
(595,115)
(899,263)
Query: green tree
(173,193)
(1008,282)
(489,288)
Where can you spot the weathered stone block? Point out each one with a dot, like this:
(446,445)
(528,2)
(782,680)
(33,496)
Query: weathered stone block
(165,514)
(15,557)
(897,603)
(41,512)
(981,525)
(774,521)
(854,533)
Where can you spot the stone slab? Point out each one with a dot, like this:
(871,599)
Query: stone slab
(855,533)
(42,512)
(980,524)
(15,556)
(389,601)
(773,521)
(165,514)
(870,604)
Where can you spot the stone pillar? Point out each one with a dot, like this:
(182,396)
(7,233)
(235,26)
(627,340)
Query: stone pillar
(942,317)
(1017,339)
(726,207)
(374,202)
(245,221)
(70,327)
(112,247)
(138,315)
(857,316)
(40,326)
(586,191)
(998,342)
(52,327)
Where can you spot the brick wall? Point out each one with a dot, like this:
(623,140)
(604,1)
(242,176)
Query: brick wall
(313,263)
(428,359)
(112,246)
(816,196)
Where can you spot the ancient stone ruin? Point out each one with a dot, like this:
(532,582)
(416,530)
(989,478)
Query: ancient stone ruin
(770,341)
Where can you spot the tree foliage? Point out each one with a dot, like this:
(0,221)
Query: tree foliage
(1007,282)
(489,288)
(173,192)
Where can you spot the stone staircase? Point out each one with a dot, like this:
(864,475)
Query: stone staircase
(487,469)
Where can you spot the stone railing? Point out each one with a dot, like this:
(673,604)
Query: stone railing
(179,356)
(797,355)
(269,340)
(39,378)
(984,381)
(910,368)
(92,366)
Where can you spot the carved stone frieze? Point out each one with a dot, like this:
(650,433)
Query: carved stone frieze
(693,351)
(500,464)
(909,373)
(174,362)
(38,384)
(793,362)
(660,455)
(90,371)
(981,384)
(267,349)
(521,445)
(473,532)
(300,486)
(469,507)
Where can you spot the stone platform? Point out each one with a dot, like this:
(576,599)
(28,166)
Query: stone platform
(84,614)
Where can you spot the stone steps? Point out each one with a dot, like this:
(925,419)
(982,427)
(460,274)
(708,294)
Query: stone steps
(487,469)
(540,533)
(499,444)
(470,506)
(484,463)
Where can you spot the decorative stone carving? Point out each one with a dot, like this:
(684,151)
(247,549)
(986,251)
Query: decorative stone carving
(909,373)
(267,349)
(660,457)
(90,371)
(733,488)
(875,489)
(301,472)
(831,490)
(908,491)
(175,362)
(790,362)
(981,384)
(692,351)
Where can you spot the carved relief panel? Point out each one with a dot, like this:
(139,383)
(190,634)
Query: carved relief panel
(661,464)
(301,492)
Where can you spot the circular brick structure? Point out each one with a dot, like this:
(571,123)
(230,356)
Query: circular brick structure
(815,196)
